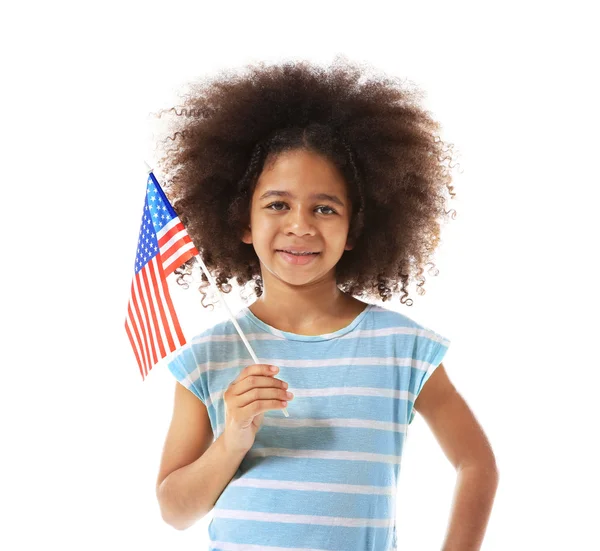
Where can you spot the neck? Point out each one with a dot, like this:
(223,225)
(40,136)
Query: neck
(300,309)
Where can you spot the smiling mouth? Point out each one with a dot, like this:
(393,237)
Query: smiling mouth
(295,254)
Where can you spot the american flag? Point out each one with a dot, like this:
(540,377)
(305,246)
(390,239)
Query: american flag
(163,245)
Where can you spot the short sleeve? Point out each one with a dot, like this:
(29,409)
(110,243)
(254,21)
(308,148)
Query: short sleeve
(184,364)
(429,351)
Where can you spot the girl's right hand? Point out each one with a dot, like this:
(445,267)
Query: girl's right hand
(253,392)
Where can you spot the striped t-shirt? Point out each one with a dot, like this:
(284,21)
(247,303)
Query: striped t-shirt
(325,477)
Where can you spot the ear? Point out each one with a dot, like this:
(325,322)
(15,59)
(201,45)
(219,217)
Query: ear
(247,236)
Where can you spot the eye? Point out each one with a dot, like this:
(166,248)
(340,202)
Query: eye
(282,203)
(275,203)
(326,207)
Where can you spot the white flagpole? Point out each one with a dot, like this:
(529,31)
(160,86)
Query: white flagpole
(222,300)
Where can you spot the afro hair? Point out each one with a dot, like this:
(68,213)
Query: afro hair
(371,127)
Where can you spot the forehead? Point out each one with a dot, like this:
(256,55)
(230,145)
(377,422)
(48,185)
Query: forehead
(301,173)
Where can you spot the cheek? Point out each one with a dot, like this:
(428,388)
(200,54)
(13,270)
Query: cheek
(264,232)
(263,226)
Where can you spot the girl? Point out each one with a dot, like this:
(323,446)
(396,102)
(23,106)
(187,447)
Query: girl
(319,186)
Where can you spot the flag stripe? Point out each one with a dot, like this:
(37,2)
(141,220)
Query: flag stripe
(134,346)
(159,300)
(188,252)
(169,231)
(138,339)
(167,227)
(176,237)
(141,334)
(151,302)
(145,305)
(171,309)
(147,322)
(171,319)
(142,320)
(169,252)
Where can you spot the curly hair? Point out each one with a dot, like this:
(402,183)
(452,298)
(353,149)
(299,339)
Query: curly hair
(372,129)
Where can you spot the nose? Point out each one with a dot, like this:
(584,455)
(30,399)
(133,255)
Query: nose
(299,222)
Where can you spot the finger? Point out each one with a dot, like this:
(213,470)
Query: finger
(252,376)
(261,406)
(258,394)
(254,369)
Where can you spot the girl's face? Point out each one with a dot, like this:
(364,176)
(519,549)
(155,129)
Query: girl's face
(286,212)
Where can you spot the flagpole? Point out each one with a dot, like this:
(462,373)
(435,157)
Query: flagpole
(222,300)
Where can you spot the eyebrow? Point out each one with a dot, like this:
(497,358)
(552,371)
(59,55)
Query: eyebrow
(277,193)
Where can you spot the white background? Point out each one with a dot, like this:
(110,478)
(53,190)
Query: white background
(515,87)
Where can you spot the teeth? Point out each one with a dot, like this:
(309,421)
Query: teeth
(298,254)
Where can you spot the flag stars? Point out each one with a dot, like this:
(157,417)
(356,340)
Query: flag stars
(156,215)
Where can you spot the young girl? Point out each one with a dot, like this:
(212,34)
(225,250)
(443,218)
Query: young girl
(319,186)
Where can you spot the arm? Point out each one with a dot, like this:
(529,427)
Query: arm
(194,469)
(189,493)
(465,445)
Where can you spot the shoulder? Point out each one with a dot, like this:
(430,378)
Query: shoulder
(412,337)
(214,330)
(216,340)
(195,347)
(388,317)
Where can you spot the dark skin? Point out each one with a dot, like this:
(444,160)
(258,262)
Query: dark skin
(301,299)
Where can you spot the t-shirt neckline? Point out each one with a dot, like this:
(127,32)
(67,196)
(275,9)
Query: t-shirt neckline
(297,336)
